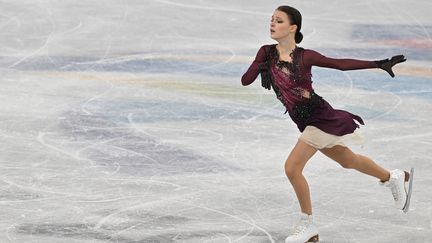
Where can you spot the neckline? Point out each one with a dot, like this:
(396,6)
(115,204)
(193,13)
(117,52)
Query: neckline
(291,54)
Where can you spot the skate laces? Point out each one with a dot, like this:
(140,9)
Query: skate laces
(395,190)
(394,193)
(299,229)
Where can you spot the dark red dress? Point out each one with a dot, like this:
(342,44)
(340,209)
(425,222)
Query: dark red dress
(291,80)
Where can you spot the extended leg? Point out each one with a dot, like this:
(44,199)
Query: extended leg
(396,180)
(347,159)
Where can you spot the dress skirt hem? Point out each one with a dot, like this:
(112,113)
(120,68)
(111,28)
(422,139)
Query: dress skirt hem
(320,139)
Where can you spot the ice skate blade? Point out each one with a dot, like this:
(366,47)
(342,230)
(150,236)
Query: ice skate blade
(407,203)
(313,239)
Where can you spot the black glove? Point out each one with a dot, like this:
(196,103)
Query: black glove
(264,67)
(387,64)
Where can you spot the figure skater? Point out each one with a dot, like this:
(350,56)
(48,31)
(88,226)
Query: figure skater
(286,68)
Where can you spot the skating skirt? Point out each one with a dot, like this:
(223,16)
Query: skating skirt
(320,139)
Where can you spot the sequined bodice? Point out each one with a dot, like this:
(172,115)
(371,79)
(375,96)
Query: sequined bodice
(293,82)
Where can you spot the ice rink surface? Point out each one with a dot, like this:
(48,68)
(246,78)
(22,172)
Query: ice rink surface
(125,121)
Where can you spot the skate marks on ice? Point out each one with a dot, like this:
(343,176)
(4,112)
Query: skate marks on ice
(86,232)
(114,169)
(113,137)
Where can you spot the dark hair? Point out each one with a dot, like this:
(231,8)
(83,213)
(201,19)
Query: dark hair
(295,18)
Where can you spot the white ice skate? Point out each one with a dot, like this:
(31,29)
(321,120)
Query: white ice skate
(304,231)
(397,184)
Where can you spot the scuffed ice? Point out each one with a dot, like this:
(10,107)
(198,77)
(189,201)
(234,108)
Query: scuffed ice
(125,121)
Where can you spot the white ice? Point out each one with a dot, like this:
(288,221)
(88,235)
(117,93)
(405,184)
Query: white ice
(125,121)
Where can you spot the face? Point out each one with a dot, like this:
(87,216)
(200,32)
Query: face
(280,26)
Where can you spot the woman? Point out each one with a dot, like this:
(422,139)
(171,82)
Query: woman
(286,68)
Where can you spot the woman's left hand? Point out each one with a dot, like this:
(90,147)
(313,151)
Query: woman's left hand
(387,64)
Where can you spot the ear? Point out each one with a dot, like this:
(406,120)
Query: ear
(293,28)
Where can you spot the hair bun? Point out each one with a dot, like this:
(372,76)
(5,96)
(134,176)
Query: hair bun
(298,37)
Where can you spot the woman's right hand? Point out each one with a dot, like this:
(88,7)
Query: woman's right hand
(256,67)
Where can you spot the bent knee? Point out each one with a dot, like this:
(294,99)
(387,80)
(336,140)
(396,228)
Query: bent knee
(292,171)
(346,165)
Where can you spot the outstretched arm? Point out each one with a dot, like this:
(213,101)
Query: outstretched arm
(311,57)
(252,73)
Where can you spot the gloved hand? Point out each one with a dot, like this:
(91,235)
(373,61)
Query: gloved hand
(264,67)
(387,64)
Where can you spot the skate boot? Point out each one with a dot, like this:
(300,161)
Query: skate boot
(304,231)
(398,186)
